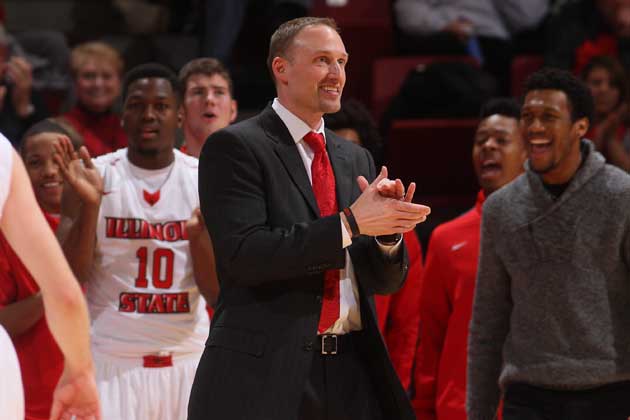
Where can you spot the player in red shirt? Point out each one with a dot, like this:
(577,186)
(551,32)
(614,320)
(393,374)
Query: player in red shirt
(21,305)
(450,271)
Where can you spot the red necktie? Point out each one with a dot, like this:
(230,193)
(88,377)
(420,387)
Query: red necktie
(324,190)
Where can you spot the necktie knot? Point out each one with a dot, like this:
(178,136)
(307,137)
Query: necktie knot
(315,141)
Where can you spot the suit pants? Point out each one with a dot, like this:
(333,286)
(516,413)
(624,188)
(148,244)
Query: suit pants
(608,402)
(340,386)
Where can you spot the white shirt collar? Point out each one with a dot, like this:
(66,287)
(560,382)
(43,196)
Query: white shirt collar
(297,128)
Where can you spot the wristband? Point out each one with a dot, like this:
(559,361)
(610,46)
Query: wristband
(352,222)
(389,240)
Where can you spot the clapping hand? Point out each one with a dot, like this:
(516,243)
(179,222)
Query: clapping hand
(383,208)
(78,170)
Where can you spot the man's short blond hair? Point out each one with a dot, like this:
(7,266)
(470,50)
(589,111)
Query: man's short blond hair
(283,37)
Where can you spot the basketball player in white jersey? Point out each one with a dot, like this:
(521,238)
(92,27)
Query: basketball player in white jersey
(135,237)
(27,231)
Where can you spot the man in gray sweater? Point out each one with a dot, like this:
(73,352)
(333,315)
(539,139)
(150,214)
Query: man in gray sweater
(552,302)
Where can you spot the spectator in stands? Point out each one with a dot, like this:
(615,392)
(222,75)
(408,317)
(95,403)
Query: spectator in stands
(97,69)
(581,30)
(480,28)
(448,280)
(46,50)
(606,79)
(398,314)
(19,106)
(550,312)
(208,104)
(21,305)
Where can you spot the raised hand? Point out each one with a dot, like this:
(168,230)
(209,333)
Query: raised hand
(78,170)
(388,212)
(390,188)
(76,397)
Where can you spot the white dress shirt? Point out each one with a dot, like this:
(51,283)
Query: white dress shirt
(349,310)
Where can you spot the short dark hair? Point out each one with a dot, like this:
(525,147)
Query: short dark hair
(208,66)
(52,125)
(507,107)
(151,70)
(578,94)
(282,38)
(353,114)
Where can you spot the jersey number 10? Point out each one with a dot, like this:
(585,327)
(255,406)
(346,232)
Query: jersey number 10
(162,272)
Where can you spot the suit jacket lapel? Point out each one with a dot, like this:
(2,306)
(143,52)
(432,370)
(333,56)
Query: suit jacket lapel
(288,154)
(342,167)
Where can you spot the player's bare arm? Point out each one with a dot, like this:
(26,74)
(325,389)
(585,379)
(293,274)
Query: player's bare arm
(81,199)
(29,235)
(203,257)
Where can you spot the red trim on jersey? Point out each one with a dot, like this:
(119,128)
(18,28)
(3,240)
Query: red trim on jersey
(157,361)
(151,198)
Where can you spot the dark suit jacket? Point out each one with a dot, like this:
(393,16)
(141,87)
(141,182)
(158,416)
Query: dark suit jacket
(271,250)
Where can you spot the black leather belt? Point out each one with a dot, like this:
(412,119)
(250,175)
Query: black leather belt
(331,344)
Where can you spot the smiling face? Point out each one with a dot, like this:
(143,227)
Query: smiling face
(150,119)
(97,85)
(208,107)
(552,139)
(37,152)
(498,153)
(311,78)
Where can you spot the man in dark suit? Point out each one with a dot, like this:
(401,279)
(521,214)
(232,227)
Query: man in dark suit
(294,335)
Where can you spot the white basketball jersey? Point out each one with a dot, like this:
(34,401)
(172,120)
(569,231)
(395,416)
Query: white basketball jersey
(142,294)
(6,168)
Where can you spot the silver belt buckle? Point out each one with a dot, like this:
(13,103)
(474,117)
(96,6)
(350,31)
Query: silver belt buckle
(329,344)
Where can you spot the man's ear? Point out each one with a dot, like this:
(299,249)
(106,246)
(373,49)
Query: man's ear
(581,126)
(279,67)
(233,110)
(180,115)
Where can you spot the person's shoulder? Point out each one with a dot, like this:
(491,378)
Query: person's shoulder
(509,203)
(346,146)
(464,220)
(616,180)
(509,193)
(110,159)
(454,230)
(187,161)
(249,131)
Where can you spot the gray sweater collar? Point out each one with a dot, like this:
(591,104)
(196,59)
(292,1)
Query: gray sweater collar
(593,163)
